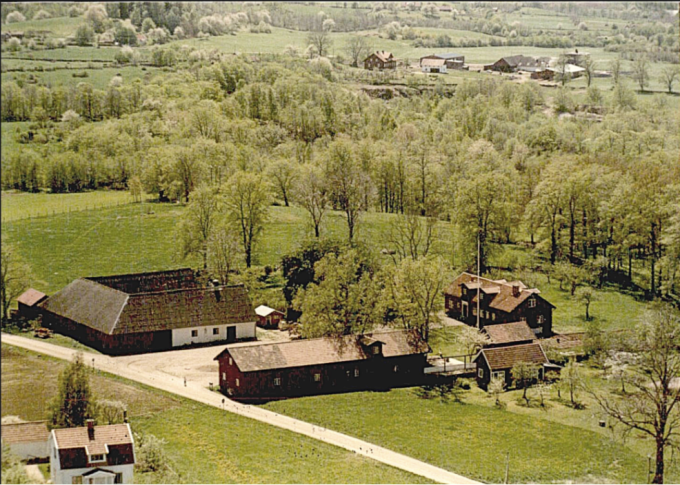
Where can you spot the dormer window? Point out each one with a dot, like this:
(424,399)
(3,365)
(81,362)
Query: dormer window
(96,458)
(376,349)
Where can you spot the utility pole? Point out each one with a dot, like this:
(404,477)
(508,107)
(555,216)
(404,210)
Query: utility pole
(507,467)
(478,280)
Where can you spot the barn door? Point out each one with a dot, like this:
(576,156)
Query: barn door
(231,334)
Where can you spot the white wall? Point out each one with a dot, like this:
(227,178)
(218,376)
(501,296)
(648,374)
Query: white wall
(182,336)
(66,476)
(442,69)
(28,451)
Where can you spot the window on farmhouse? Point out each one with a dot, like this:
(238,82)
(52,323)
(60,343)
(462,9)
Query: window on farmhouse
(493,316)
(78,479)
(94,458)
(480,373)
(396,368)
(356,372)
(317,377)
(118,478)
(230,361)
(216,331)
(376,350)
(194,333)
(277,381)
(540,319)
(224,376)
(532,303)
(498,375)
(238,383)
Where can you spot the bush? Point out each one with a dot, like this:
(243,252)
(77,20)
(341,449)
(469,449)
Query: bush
(13,44)
(14,17)
(41,14)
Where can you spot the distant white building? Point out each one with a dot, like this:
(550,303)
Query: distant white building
(92,454)
(433,65)
(28,441)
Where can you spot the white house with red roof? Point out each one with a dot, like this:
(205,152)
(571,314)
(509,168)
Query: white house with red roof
(92,454)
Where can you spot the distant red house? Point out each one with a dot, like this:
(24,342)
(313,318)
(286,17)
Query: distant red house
(145,312)
(496,363)
(380,60)
(268,317)
(501,301)
(262,372)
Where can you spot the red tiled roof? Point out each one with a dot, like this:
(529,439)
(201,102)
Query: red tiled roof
(30,297)
(24,432)
(509,332)
(503,297)
(507,357)
(319,351)
(112,434)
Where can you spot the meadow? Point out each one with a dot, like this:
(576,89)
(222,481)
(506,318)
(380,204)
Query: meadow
(232,449)
(475,439)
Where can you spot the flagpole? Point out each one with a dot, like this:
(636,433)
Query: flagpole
(478,275)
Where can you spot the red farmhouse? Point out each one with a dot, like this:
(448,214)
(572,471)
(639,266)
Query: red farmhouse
(262,372)
(501,301)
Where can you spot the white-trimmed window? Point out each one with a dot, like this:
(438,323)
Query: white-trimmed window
(493,315)
(216,331)
(498,375)
(231,361)
(532,302)
(376,349)
(540,319)
(238,383)
(356,372)
(474,310)
(480,373)
(522,319)
(224,376)
(194,333)
(98,458)
(317,377)
(277,381)
(396,368)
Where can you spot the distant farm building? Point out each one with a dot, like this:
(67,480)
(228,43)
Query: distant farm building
(380,360)
(442,62)
(552,73)
(92,454)
(519,63)
(149,312)
(500,301)
(504,334)
(380,60)
(268,317)
(577,58)
(27,441)
(497,363)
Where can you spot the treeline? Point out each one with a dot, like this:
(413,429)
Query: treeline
(491,159)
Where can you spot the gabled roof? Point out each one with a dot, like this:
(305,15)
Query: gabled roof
(109,435)
(31,297)
(92,303)
(506,357)
(300,353)
(501,291)
(25,432)
(505,333)
(265,311)
(432,62)
(525,61)
(384,56)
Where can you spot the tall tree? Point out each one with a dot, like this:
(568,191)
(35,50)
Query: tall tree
(246,198)
(357,48)
(311,192)
(74,402)
(413,293)
(344,302)
(668,76)
(283,174)
(321,40)
(224,251)
(14,277)
(641,71)
(651,405)
(196,224)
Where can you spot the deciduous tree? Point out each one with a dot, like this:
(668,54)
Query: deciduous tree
(74,403)
(14,277)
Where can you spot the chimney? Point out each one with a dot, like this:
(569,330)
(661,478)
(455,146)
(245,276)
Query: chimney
(516,291)
(125,419)
(90,429)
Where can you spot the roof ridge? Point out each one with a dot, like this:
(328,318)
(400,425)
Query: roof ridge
(303,340)
(179,290)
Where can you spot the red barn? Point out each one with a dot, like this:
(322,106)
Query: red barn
(268,317)
(28,303)
(501,301)
(380,360)
(497,363)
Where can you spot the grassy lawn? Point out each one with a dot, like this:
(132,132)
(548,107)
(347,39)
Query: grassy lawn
(474,438)
(206,444)
(21,205)
(98,78)
(58,26)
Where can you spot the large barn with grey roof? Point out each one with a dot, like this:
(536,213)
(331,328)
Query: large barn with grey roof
(146,312)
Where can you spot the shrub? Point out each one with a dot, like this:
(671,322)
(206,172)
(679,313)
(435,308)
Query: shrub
(14,17)
(41,14)
(13,45)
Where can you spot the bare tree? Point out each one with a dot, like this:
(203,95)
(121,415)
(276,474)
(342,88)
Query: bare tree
(224,251)
(651,404)
(589,66)
(196,223)
(357,47)
(412,235)
(321,40)
(311,193)
(14,278)
(616,70)
(641,72)
(283,175)
(668,76)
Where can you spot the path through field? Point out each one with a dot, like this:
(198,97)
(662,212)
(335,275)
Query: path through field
(134,369)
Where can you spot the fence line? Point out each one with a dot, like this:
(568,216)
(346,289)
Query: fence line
(68,210)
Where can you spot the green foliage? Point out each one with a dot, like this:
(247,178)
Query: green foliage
(84,35)
(13,470)
(74,403)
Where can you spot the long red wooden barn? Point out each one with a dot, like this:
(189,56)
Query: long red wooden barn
(380,360)
(145,312)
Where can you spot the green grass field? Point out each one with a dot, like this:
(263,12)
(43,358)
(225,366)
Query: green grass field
(98,78)
(474,439)
(57,26)
(232,449)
